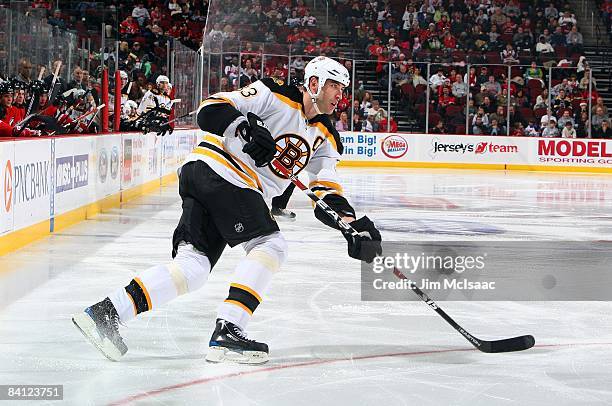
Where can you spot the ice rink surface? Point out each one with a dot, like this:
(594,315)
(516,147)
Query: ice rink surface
(327,346)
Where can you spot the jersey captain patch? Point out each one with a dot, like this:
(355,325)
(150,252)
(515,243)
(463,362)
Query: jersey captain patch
(293,152)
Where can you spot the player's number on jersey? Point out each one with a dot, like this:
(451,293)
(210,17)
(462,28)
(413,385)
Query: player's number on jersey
(248,91)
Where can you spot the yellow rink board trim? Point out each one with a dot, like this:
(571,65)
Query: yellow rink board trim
(447,165)
(22,237)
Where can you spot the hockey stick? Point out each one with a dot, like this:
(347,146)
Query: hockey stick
(505,345)
(191,113)
(53,82)
(34,98)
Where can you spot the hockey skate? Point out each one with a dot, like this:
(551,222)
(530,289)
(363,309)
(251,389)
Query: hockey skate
(230,343)
(99,324)
(283,214)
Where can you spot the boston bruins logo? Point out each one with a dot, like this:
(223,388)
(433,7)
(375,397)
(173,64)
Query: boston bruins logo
(293,152)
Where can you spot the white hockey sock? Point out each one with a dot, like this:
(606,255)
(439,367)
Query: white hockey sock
(252,278)
(156,286)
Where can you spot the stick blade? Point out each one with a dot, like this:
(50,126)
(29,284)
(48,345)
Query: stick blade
(520,343)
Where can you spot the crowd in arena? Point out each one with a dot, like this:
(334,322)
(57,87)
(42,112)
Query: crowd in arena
(471,67)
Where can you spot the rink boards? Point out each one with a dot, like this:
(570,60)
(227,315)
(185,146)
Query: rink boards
(50,183)
(476,152)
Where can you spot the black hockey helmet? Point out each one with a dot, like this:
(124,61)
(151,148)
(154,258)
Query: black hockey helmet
(6,87)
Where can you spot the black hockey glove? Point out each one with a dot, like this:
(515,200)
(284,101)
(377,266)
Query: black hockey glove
(366,245)
(260,145)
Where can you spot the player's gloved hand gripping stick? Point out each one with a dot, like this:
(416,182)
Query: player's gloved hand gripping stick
(505,345)
(259,142)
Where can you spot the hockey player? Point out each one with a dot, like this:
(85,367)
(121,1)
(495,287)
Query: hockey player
(224,185)
(157,97)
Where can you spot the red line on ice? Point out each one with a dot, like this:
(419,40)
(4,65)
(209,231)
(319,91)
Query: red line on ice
(164,389)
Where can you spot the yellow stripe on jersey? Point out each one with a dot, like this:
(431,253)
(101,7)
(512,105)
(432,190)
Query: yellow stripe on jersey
(247,289)
(223,161)
(216,100)
(293,104)
(328,135)
(217,141)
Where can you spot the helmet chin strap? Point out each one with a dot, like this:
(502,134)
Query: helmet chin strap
(313,99)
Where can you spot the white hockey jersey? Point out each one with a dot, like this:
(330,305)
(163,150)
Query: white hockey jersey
(311,145)
(148,101)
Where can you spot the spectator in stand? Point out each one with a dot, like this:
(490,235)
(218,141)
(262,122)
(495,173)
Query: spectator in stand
(561,102)
(598,118)
(376,111)
(543,47)
(542,100)
(582,125)
(509,55)
(534,73)
(546,118)
(600,104)
(342,124)
(294,20)
(575,41)
(568,131)
(499,115)
(604,131)
(478,127)
(174,8)
(129,27)
(496,128)
(551,129)
(370,125)
(56,20)
(247,77)
(518,130)
(567,21)
(141,14)
(357,122)
(551,11)
(445,99)
(439,128)
(565,118)
(384,127)
(532,129)
(459,87)
(437,79)
(558,38)
(309,20)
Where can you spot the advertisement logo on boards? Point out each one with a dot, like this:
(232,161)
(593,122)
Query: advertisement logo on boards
(576,151)
(8,186)
(484,147)
(31,181)
(114,163)
(71,172)
(468,148)
(394,146)
(103,165)
(127,160)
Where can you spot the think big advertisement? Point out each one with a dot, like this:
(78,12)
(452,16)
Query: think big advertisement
(453,149)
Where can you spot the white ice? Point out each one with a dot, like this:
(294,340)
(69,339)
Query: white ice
(327,346)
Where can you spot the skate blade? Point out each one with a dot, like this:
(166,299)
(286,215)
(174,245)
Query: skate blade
(285,219)
(87,326)
(223,354)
